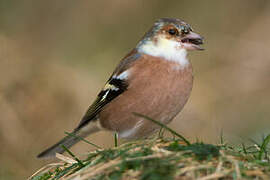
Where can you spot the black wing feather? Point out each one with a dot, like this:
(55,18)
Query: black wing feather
(105,96)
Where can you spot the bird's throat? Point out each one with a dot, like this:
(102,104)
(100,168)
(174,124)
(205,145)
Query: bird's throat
(166,49)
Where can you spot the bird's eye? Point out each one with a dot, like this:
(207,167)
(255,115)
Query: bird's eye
(173,32)
(185,30)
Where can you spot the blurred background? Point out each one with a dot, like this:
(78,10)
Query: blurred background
(56,55)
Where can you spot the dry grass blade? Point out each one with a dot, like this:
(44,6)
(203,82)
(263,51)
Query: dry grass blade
(216,175)
(65,158)
(192,168)
(100,169)
(46,168)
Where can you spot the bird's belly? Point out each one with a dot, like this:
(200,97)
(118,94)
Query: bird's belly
(162,99)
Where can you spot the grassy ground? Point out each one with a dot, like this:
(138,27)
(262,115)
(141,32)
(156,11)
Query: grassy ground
(161,158)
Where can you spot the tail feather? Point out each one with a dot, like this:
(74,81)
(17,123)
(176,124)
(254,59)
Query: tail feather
(67,141)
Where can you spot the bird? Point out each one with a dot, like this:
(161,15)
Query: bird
(154,79)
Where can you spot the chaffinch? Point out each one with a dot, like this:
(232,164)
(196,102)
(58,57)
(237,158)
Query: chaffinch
(155,79)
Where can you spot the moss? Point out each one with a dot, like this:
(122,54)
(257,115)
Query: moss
(200,150)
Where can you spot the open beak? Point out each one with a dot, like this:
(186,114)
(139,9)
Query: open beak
(192,41)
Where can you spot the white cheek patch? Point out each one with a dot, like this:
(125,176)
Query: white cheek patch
(167,49)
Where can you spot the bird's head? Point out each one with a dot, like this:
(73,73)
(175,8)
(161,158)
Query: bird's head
(169,36)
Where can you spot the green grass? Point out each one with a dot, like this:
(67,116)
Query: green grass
(165,158)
